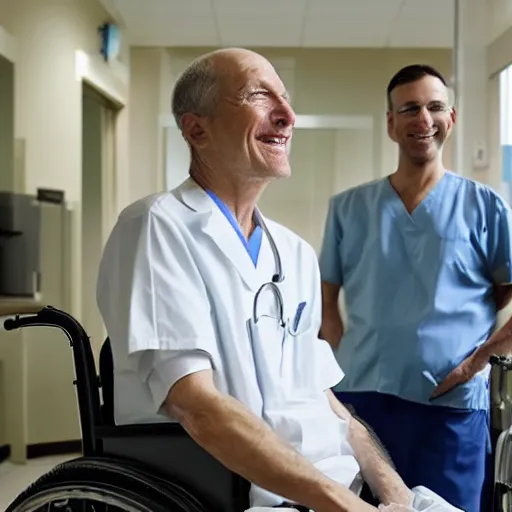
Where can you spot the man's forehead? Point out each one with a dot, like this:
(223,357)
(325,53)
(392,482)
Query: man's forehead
(428,88)
(251,74)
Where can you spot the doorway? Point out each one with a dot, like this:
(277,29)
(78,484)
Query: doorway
(98,200)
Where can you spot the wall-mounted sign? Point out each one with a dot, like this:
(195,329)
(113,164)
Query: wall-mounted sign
(110,41)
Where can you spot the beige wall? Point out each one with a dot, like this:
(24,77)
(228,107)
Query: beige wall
(6,123)
(150,73)
(48,94)
(57,48)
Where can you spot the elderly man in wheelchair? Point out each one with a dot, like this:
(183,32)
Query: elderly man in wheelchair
(216,387)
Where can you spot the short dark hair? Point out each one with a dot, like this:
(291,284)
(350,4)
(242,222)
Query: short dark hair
(412,73)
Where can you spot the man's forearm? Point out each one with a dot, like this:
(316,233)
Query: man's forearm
(248,447)
(376,467)
(332,325)
(500,343)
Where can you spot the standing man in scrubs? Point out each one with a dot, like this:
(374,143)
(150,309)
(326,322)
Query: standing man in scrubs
(424,257)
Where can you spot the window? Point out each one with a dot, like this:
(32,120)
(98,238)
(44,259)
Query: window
(506,131)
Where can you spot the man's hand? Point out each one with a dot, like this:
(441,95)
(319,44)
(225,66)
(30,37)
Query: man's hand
(463,373)
(376,467)
(395,508)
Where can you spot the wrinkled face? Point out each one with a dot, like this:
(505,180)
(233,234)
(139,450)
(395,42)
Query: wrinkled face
(251,128)
(421,119)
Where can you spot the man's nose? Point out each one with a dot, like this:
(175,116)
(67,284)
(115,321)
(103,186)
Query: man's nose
(425,117)
(283,114)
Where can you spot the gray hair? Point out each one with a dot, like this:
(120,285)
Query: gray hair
(195,90)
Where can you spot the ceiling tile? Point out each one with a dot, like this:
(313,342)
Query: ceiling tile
(417,9)
(348,23)
(264,23)
(435,18)
(167,23)
(354,8)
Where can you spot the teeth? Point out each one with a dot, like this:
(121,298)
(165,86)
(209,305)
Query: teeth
(274,140)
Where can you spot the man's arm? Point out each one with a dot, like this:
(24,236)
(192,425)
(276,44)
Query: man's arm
(376,467)
(500,342)
(224,427)
(499,260)
(502,295)
(332,324)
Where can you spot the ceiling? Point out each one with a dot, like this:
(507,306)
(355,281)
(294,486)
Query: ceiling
(287,23)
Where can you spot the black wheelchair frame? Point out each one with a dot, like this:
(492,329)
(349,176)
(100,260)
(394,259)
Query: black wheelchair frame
(159,459)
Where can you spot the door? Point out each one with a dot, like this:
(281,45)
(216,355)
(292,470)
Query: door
(98,201)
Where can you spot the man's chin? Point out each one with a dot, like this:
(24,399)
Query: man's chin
(281,173)
(423,157)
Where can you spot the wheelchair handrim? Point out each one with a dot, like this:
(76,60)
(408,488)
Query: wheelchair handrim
(85,492)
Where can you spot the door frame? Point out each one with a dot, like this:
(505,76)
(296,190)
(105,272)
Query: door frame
(7,45)
(112,82)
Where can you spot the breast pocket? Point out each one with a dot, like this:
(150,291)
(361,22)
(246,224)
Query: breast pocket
(303,354)
(462,255)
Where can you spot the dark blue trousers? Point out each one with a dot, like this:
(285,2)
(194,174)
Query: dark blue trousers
(441,448)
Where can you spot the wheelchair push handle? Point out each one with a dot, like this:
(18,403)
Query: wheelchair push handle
(47,316)
(86,379)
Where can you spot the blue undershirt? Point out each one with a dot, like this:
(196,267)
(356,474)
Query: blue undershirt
(252,245)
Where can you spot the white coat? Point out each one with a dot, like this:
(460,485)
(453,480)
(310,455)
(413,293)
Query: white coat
(176,279)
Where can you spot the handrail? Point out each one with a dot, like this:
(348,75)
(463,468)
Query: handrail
(85,370)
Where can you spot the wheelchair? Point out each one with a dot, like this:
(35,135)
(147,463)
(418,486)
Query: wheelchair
(129,468)
(155,467)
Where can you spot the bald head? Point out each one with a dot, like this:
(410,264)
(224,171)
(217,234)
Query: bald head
(198,88)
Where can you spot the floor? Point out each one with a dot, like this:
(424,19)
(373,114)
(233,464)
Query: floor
(14,478)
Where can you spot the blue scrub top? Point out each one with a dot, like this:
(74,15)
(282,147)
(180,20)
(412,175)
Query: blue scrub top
(252,245)
(418,287)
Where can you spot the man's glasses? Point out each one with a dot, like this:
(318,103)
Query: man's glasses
(434,109)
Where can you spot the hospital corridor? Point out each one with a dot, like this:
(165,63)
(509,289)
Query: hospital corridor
(256,256)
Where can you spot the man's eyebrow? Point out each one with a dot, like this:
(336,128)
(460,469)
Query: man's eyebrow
(409,104)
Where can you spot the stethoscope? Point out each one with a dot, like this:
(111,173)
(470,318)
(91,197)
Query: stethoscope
(278,276)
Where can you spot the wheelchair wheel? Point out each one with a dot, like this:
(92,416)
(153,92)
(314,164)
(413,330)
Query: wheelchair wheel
(98,485)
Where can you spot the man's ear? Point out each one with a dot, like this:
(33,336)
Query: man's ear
(390,125)
(194,130)
(453,115)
